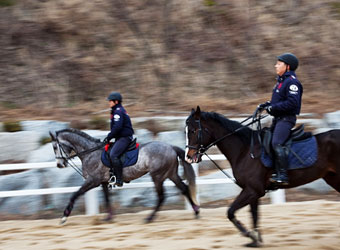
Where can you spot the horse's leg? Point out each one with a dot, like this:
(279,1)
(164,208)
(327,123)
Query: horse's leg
(107,202)
(185,191)
(254,212)
(247,196)
(89,184)
(160,192)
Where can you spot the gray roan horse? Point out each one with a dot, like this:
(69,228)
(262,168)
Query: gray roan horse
(157,158)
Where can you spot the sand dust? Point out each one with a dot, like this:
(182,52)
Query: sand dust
(293,225)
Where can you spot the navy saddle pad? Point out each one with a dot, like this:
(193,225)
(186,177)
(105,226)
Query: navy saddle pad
(302,154)
(129,158)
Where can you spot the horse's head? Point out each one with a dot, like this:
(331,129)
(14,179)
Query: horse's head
(197,136)
(62,149)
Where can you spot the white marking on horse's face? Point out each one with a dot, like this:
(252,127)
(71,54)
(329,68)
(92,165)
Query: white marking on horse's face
(59,158)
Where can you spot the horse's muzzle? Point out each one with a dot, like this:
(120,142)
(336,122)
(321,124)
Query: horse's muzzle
(194,158)
(60,165)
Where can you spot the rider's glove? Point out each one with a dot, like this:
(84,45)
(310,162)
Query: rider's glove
(105,141)
(268,109)
(263,106)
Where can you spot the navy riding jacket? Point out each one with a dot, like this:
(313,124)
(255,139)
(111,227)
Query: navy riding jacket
(286,97)
(120,123)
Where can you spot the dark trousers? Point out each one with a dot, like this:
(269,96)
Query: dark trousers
(117,150)
(281,130)
(120,146)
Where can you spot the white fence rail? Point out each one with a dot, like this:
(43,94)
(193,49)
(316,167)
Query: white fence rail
(91,197)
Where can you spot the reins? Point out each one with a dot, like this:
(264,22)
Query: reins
(258,129)
(255,119)
(86,151)
(216,165)
(69,158)
(202,150)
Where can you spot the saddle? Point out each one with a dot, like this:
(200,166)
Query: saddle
(128,158)
(301,148)
(296,134)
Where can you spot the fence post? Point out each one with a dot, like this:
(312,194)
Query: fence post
(91,202)
(278,196)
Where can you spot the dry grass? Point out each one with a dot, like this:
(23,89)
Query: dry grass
(60,59)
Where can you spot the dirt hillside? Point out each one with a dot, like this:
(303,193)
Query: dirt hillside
(60,59)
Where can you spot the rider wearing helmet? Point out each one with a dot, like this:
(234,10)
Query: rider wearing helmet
(122,131)
(285,105)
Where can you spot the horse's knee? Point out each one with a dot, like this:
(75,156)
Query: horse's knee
(230,214)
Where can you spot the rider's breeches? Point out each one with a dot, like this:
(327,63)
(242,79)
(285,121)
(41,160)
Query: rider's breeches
(281,131)
(119,147)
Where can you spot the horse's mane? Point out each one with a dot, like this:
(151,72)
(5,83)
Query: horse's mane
(78,132)
(245,133)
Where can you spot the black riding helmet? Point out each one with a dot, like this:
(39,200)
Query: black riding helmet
(115,96)
(290,59)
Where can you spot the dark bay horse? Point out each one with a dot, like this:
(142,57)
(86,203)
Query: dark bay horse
(251,175)
(157,158)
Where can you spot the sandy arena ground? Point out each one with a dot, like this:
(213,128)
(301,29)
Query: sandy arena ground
(294,225)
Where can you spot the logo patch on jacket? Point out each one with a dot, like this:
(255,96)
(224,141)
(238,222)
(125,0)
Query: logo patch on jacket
(293,89)
(116,117)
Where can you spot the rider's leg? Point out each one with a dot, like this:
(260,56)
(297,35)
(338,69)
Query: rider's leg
(281,165)
(280,135)
(118,170)
(117,150)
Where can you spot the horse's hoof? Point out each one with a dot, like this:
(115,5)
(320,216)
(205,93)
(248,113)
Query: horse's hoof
(107,219)
(148,219)
(253,244)
(197,214)
(63,220)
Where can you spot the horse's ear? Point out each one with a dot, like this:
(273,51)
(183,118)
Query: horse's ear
(52,136)
(197,112)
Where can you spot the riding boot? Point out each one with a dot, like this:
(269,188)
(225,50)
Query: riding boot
(281,164)
(118,169)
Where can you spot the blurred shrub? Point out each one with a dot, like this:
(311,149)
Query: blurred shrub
(9,105)
(153,126)
(45,140)
(97,122)
(12,126)
(336,8)
(209,2)
(5,3)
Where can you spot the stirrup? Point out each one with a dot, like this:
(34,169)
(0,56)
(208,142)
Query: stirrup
(279,181)
(112,182)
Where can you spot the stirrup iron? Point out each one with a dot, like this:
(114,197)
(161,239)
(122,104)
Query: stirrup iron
(112,182)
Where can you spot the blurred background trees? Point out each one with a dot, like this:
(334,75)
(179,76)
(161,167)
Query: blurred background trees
(164,54)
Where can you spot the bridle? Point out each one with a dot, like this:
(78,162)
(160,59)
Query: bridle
(68,158)
(256,118)
(201,150)
(62,152)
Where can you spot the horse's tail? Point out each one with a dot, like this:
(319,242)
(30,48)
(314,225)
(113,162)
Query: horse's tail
(189,173)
